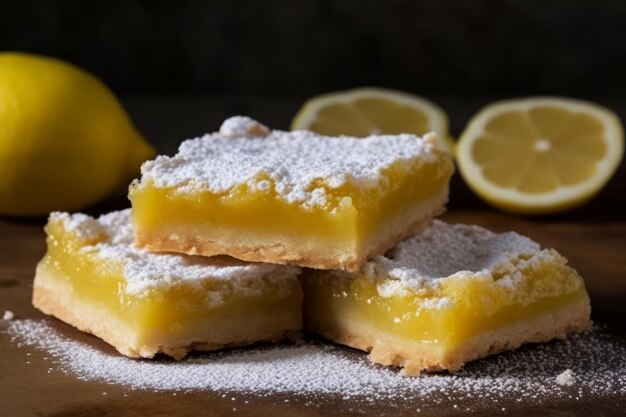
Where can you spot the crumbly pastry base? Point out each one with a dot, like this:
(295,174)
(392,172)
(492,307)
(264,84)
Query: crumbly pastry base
(414,357)
(282,250)
(54,299)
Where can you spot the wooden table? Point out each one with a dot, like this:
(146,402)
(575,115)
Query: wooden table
(596,250)
(593,238)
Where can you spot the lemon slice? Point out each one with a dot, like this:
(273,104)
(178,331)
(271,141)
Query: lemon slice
(541,154)
(372,111)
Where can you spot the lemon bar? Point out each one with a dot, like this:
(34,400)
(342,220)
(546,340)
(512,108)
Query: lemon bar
(446,296)
(94,278)
(289,197)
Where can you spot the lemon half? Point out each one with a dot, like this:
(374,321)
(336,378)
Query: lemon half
(372,111)
(65,142)
(540,155)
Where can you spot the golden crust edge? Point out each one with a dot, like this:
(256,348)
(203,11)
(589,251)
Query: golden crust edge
(384,350)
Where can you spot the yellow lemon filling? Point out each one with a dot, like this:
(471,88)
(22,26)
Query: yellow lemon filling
(179,299)
(470,309)
(350,218)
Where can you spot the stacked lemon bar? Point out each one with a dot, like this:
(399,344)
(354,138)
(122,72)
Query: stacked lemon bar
(250,235)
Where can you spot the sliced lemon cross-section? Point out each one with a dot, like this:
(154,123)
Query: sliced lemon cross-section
(540,154)
(372,111)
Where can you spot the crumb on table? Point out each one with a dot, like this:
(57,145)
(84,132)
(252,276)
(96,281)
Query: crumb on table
(566,378)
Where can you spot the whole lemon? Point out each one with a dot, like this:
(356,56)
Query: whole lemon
(65,140)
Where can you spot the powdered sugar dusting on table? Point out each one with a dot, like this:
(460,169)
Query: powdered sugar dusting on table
(245,152)
(110,237)
(597,359)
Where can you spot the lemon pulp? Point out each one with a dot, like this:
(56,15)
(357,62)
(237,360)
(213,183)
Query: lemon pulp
(369,116)
(373,111)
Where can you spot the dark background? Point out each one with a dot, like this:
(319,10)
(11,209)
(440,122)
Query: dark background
(292,46)
(181,67)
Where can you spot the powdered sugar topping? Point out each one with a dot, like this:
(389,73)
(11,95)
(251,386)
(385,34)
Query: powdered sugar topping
(445,250)
(82,225)
(110,237)
(299,164)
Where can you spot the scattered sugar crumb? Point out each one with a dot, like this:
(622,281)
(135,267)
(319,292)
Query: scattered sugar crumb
(310,371)
(8,315)
(243,126)
(566,378)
